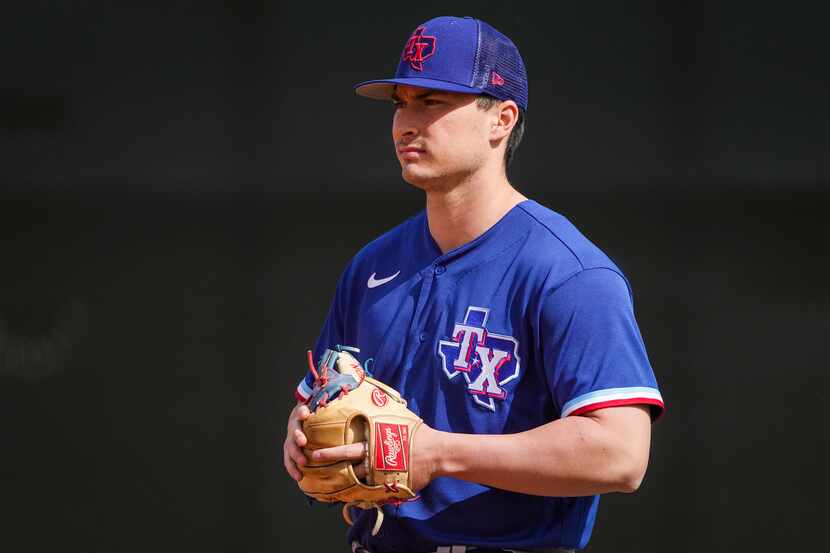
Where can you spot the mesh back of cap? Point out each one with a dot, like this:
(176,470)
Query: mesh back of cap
(496,53)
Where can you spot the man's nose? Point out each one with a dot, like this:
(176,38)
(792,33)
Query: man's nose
(404,127)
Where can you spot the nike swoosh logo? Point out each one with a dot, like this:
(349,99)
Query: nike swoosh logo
(374,283)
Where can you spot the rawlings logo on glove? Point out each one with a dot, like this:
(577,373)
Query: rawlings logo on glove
(391,438)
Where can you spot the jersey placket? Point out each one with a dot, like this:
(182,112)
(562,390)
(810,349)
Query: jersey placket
(417,336)
(416,332)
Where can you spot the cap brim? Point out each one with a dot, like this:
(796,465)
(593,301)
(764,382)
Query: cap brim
(382,89)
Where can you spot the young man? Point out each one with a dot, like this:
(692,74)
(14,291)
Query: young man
(507,331)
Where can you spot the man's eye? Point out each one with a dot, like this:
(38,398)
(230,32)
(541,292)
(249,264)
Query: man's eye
(432,102)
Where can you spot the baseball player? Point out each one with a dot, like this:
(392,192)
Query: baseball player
(507,331)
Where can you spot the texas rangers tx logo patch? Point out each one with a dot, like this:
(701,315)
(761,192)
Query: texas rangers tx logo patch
(487,360)
(419,48)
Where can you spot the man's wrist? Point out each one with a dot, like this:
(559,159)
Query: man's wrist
(431,444)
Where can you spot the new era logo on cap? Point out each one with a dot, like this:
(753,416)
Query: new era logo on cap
(457,54)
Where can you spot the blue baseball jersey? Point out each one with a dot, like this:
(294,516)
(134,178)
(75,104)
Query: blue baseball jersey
(528,323)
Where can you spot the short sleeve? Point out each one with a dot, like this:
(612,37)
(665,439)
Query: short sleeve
(594,355)
(332,334)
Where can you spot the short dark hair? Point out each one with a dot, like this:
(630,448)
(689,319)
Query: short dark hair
(485,102)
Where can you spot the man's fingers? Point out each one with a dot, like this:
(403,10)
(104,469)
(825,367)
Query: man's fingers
(297,417)
(296,455)
(299,438)
(290,466)
(293,457)
(348,452)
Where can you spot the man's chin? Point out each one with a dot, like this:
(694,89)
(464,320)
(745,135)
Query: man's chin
(417,178)
(425,182)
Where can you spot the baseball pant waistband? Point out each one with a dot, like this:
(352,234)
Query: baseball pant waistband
(474,549)
(357,548)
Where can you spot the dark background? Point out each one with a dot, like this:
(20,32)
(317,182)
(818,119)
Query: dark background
(182,185)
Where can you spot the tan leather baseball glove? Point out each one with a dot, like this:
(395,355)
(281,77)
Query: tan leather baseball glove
(348,406)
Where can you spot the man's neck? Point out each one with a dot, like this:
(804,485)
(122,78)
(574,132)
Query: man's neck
(466,211)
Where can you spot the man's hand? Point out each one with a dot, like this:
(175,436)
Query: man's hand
(422,465)
(292,453)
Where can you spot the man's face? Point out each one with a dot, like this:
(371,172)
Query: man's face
(440,137)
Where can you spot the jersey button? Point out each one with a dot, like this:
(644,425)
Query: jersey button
(422,337)
(439,270)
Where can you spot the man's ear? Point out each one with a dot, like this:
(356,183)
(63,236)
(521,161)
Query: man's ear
(507,115)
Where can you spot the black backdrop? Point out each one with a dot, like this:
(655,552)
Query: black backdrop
(181,186)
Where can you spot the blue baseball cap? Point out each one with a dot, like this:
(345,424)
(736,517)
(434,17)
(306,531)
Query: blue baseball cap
(457,54)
